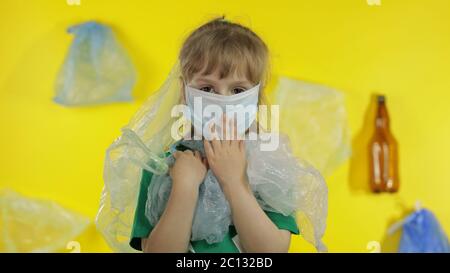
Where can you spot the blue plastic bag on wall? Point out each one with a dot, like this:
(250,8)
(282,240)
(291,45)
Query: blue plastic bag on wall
(423,234)
(96,70)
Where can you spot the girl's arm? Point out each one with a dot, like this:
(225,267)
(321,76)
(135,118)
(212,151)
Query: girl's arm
(256,231)
(173,230)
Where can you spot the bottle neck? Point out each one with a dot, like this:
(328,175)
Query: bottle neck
(382,117)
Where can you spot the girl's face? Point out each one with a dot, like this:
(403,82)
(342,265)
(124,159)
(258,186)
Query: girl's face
(228,86)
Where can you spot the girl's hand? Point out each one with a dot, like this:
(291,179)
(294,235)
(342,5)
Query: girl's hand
(189,169)
(172,233)
(227,160)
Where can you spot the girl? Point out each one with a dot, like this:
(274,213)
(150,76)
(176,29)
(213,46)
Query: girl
(220,195)
(227,59)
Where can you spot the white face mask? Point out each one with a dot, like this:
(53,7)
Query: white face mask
(207,108)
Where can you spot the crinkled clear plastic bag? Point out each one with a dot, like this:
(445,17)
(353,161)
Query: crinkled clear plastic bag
(315,119)
(423,234)
(96,70)
(31,225)
(125,160)
(289,185)
(280,182)
(141,146)
(212,215)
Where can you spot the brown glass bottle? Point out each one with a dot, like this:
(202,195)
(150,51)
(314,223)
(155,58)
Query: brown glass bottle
(383,153)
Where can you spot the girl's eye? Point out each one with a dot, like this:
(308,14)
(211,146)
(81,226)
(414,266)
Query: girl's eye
(207,89)
(238,90)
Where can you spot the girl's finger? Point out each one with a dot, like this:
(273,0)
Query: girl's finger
(227,135)
(176,154)
(212,131)
(189,152)
(215,139)
(209,131)
(208,149)
(241,145)
(235,131)
(224,128)
(197,155)
(205,162)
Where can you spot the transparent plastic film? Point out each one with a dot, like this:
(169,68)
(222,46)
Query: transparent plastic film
(141,146)
(96,69)
(422,233)
(315,119)
(280,182)
(35,225)
(290,186)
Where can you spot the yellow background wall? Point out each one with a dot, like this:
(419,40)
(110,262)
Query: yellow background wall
(401,48)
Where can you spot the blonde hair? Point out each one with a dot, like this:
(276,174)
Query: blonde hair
(227,46)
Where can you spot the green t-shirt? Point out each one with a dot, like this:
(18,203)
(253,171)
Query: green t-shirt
(230,243)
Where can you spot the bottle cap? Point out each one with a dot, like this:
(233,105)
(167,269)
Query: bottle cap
(381,98)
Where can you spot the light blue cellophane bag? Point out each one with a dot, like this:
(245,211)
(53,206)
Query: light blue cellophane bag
(423,234)
(96,70)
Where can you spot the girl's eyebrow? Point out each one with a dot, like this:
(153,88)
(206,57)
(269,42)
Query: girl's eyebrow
(239,82)
(202,79)
(243,82)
